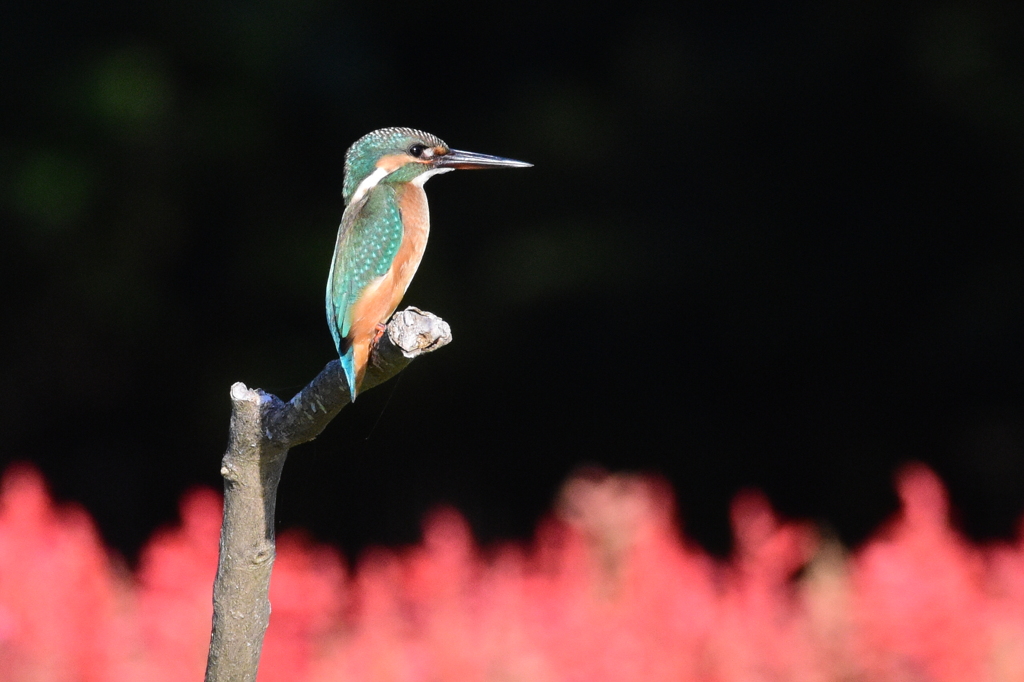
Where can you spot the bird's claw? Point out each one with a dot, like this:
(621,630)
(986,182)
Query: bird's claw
(381,328)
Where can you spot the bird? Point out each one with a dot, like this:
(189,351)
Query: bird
(383,233)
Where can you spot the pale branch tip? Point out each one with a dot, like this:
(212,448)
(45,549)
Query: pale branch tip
(410,333)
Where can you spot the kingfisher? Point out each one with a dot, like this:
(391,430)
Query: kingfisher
(383,233)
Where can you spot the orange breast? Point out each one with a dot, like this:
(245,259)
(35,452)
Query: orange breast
(384,294)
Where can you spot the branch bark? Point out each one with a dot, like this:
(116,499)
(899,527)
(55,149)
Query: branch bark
(263,429)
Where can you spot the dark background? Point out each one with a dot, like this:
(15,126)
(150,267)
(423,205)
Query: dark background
(761,247)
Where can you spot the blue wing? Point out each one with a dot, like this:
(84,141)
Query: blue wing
(368,239)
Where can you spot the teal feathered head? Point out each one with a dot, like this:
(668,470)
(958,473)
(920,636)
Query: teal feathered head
(399,154)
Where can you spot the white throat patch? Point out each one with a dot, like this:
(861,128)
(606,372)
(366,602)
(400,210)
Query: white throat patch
(423,177)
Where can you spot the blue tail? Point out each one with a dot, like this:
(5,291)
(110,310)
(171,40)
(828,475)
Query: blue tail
(348,364)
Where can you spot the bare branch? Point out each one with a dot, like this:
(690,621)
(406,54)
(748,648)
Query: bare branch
(263,428)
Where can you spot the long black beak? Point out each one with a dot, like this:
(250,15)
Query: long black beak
(469,160)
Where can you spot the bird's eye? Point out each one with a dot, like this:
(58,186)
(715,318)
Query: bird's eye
(417,150)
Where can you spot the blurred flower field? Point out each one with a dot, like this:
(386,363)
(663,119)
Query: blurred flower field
(607,591)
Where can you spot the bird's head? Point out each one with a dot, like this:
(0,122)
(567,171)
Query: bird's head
(397,155)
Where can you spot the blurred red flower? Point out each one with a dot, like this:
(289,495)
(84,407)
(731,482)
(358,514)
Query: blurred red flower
(608,591)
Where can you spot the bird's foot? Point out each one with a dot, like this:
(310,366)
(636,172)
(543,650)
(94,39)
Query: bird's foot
(381,328)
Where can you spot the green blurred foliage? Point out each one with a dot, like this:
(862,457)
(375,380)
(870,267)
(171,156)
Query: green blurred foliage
(51,190)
